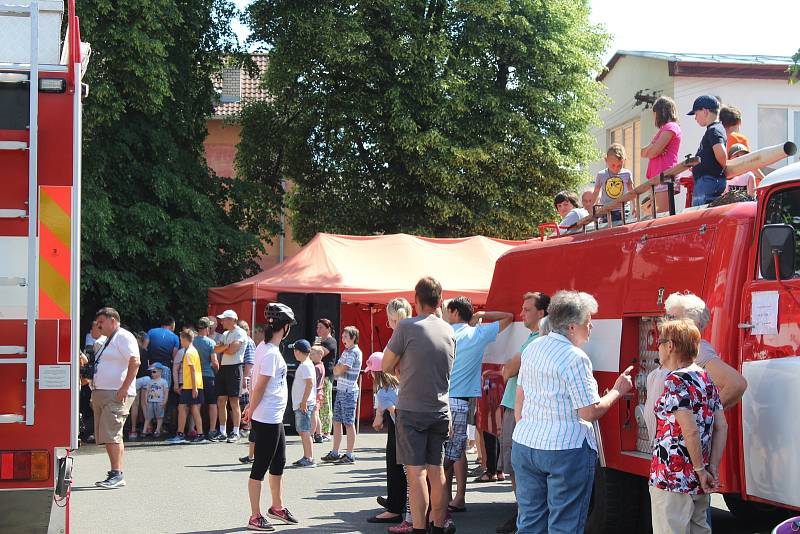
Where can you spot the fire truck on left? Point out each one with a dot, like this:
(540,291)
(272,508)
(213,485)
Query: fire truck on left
(40,180)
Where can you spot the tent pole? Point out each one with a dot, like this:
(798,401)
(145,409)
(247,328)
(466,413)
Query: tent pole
(253,316)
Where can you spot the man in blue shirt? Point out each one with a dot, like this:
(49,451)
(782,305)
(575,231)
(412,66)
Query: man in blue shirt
(534,309)
(471,337)
(164,343)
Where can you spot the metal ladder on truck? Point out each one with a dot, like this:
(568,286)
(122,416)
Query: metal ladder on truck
(24,354)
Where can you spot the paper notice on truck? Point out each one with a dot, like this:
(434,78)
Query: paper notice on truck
(764,312)
(54,377)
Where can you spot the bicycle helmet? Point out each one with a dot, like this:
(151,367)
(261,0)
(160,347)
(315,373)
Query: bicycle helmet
(279,314)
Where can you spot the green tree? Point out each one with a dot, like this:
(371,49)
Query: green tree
(159,227)
(434,117)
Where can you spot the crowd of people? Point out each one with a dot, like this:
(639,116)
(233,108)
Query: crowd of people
(722,141)
(534,415)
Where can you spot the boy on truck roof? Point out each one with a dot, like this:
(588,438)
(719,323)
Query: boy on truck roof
(709,175)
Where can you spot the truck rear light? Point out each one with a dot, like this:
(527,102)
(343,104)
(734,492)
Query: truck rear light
(40,465)
(7,466)
(24,465)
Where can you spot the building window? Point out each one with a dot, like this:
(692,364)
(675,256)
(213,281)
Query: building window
(776,125)
(231,86)
(629,136)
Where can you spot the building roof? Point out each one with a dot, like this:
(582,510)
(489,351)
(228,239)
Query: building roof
(237,87)
(712,65)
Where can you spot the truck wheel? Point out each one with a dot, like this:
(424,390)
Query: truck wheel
(755,512)
(614,507)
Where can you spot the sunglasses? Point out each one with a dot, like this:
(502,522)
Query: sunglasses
(662,341)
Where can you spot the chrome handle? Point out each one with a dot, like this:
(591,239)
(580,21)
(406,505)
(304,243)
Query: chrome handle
(745,326)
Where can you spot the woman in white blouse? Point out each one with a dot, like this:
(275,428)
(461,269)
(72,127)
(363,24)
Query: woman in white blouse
(555,450)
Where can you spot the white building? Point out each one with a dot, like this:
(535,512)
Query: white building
(757,85)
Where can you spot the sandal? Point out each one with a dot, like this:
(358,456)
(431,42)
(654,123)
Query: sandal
(484,478)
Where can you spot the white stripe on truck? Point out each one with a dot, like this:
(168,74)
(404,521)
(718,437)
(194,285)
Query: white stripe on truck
(603,347)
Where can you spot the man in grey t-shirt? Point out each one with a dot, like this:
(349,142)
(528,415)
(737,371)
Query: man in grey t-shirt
(422,349)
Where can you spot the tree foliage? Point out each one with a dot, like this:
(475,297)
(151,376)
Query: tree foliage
(434,117)
(159,227)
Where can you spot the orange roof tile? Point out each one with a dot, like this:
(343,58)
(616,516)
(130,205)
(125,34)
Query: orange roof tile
(248,89)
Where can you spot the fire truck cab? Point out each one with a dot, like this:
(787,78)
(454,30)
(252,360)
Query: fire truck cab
(727,255)
(40,166)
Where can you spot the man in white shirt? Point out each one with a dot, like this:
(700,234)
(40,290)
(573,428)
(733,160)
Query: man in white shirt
(229,378)
(116,364)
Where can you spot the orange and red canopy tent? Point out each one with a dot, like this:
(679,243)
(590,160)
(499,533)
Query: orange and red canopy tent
(373,269)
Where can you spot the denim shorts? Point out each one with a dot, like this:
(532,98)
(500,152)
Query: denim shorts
(344,407)
(707,188)
(303,420)
(153,410)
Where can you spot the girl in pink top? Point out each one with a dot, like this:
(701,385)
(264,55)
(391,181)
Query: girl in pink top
(664,147)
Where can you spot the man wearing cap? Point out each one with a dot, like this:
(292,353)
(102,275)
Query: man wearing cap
(209,364)
(229,379)
(709,175)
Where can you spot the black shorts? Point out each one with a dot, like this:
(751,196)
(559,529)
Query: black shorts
(209,390)
(270,449)
(186,397)
(229,380)
(421,437)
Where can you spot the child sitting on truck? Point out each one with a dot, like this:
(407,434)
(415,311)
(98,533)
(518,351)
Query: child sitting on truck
(613,181)
(743,182)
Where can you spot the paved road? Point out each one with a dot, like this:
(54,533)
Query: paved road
(189,489)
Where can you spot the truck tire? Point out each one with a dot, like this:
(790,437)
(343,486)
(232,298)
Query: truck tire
(614,506)
(753,512)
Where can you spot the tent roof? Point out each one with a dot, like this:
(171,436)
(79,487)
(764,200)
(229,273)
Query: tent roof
(375,269)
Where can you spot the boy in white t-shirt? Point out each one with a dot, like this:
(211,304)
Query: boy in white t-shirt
(303,398)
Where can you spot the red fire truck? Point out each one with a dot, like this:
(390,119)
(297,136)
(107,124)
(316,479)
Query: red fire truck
(729,256)
(40,168)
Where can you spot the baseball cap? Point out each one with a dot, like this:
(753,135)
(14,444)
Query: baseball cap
(302,345)
(704,102)
(204,322)
(228,314)
(158,365)
(736,148)
(374,362)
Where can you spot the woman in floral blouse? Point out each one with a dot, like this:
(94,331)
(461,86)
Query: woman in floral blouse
(690,435)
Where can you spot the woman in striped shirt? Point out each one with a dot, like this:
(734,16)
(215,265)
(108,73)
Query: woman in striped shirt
(555,450)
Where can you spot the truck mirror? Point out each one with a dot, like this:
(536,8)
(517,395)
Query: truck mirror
(777,250)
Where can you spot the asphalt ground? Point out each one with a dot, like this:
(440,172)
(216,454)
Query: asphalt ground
(190,489)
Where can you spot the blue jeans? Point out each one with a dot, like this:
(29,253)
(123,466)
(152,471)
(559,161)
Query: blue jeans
(553,488)
(707,188)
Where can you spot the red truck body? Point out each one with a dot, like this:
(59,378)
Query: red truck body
(40,128)
(630,270)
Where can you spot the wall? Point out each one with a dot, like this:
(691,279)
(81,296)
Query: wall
(220,148)
(747,95)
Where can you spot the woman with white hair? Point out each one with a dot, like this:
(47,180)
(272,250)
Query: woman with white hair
(730,383)
(555,449)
